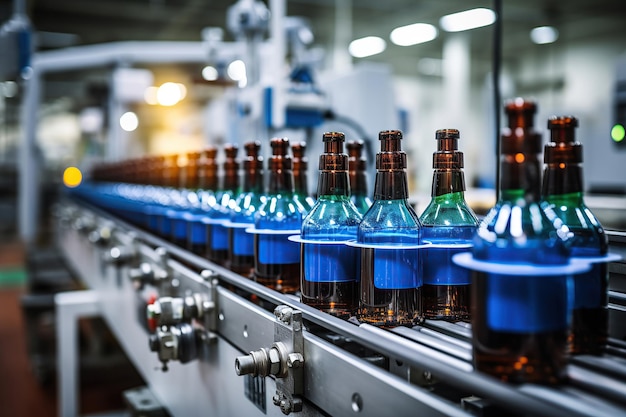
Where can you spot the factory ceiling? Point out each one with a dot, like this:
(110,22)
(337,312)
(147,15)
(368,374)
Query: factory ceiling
(82,22)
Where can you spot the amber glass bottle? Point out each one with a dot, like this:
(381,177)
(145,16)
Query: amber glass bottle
(520,321)
(449,224)
(276,258)
(358,176)
(241,243)
(330,271)
(391,279)
(563,192)
(301,177)
(208,182)
(217,233)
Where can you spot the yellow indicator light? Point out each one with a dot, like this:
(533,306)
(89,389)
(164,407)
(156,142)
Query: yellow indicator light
(72,177)
(618,133)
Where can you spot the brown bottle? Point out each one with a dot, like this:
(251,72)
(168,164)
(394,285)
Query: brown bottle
(241,243)
(563,191)
(189,173)
(276,259)
(300,176)
(520,322)
(330,272)
(391,276)
(217,233)
(207,181)
(358,176)
(170,171)
(449,224)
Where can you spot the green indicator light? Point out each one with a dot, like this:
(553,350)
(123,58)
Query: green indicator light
(618,133)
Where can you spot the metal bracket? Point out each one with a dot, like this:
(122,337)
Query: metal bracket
(288,338)
(284,360)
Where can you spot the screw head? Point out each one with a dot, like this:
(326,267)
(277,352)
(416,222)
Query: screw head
(276,399)
(285,406)
(294,360)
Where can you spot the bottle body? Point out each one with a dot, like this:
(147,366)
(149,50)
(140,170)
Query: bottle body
(362,202)
(446,290)
(391,277)
(277,260)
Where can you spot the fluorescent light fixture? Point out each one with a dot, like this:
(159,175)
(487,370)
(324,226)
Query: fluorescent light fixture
(544,34)
(413,34)
(368,46)
(469,19)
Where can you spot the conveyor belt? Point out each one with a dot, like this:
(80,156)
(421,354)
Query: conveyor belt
(597,385)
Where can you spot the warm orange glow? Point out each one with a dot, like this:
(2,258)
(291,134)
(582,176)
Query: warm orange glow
(562,165)
(519,158)
(72,177)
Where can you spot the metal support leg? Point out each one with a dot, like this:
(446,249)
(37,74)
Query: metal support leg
(71,306)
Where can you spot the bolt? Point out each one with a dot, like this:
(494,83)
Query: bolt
(294,360)
(274,360)
(207,274)
(276,399)
(286,406)
(283,313)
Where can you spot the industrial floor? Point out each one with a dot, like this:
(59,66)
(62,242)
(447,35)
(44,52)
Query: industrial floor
(22,393)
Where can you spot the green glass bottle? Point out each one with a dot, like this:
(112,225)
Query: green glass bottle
(563,192)
(358,176)
(449,224)
(329,272)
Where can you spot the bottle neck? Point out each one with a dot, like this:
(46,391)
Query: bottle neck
(231,180)
(281,182)
(300,179)
(447,181)
(391,185)
(520,173)
(333,183)
(358,182)
(252,181)
(562,178)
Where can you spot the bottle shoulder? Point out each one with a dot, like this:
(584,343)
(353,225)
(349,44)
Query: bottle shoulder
(522,232)
(392,217)
(448,213)
(278,212)
(588,233)
(332,216)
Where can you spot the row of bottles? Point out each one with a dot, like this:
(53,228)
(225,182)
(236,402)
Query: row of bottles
(530,304)
(376,265)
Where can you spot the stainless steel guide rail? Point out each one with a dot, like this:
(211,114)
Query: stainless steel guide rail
(340,372)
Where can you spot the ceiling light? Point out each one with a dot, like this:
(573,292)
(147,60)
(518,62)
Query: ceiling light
(544,34)
(210,73)
(368,46)
(469,19)
(129,121)
(413,34)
